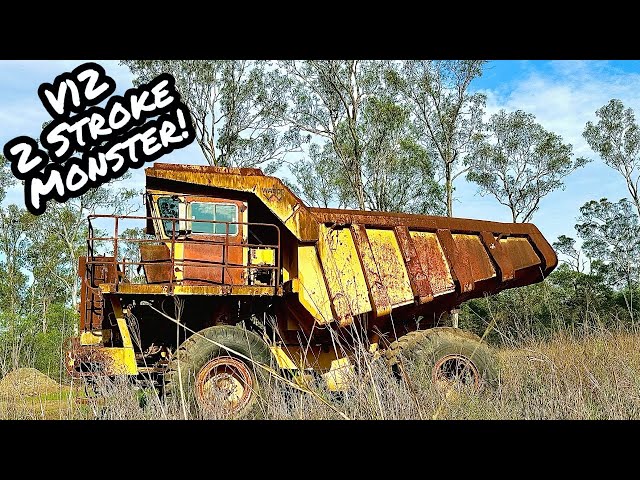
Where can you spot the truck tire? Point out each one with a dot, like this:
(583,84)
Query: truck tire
(452,356)
(214,379)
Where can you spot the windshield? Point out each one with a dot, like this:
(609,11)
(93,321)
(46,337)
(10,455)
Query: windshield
(218,212)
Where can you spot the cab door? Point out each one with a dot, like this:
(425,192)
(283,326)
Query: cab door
(213,252)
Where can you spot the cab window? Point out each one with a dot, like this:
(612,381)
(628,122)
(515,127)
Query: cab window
(218,212)
(168,207)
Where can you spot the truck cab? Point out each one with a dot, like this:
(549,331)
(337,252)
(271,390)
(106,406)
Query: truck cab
(206,240)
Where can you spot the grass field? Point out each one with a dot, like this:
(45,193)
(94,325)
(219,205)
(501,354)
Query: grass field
(595,375)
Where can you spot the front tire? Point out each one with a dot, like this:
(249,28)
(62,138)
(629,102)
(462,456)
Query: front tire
(217,381)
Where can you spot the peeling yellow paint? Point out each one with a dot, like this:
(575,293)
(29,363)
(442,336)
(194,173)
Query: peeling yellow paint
(391,265)
(312,291)
(341,265)
(340,374)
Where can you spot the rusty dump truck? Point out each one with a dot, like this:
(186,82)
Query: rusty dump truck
(234,272)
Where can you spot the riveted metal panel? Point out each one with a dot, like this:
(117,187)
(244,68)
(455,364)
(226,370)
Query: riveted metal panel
(311,287)
(471,250)
(417,276)
(347,286)
(391,265)
(520,252)
(378,294)
(433,262)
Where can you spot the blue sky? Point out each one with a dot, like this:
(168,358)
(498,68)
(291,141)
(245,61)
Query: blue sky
(563,95)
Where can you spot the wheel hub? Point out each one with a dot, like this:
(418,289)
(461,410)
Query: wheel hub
(224,382)
(456,370)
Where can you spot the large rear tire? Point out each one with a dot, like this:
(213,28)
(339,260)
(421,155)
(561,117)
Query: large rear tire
(451,357)
(214,380)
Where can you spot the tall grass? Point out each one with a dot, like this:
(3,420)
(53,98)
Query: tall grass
(577,373)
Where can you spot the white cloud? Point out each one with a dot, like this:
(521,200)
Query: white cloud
(563,98)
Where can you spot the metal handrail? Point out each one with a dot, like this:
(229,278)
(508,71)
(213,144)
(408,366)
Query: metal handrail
(173,239)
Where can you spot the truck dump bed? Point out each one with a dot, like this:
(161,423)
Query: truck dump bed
(347,263)
(378,262)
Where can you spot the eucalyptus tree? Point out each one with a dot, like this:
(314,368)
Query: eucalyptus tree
(364,152)
(445,110)
(616,138)
(233,105)
(611,236)
(518,162)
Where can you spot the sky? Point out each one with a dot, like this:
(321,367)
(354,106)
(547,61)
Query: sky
(563,96)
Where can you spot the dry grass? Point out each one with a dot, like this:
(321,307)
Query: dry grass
(593,375)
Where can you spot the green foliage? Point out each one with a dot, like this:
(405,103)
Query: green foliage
(519,162)
(567,299)
(6,177)
(40,287)
(23,342)
(616,138)
(398,172)
(597,284)
(611,235)
(319,180)
(371,158)
(234,106)
(573,257)
(325,98)
(446,114)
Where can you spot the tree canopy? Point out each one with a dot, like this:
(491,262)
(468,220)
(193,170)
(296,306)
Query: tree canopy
(518,162)
(616,138)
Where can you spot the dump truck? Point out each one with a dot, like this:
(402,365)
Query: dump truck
(235,276)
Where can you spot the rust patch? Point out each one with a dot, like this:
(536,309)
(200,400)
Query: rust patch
(97,270)
(423,222)
(208,254)
(345,280)
(377,291)
(433,262)
(208,169)
(549,257)
(417,278)
(520,252)
(499,255)
(207,290)
(159,267)
(87,360)
(470,248)
(458,260)
(391,264)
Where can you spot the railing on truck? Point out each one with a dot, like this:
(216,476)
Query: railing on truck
(230,272)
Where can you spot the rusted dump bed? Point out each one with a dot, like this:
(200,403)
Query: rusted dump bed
(339,264)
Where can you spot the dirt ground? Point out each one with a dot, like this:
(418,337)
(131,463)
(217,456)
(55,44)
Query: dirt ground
(26,393)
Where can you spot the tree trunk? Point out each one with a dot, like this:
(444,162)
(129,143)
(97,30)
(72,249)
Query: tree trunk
(636,200)
(453,314)
(449,188)
(44,316)
(360,194)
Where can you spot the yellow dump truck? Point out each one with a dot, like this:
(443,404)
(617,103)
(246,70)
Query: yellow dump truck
(234,271)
